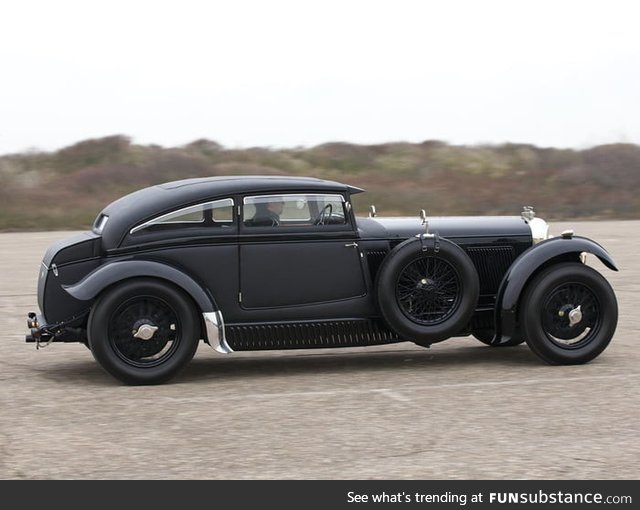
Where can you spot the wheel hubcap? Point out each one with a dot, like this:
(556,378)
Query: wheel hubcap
(145,332)
(570,314)
(575,316)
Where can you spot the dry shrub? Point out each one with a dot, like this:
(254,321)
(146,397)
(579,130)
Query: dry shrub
(67,188)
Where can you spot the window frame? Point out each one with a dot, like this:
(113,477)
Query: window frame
(206,223)
(283,228)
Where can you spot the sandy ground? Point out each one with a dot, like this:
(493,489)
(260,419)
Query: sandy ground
(457,410)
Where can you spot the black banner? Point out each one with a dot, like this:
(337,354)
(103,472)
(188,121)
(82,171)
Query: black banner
(326,494)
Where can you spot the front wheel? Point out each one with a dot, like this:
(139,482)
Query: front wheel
(568,314)
(143,331)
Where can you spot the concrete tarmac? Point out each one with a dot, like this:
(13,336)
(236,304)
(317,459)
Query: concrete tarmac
(460,410)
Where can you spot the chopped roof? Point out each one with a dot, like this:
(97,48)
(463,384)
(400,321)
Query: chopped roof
(147,203)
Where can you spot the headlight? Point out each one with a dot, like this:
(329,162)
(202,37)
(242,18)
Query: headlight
(539,229)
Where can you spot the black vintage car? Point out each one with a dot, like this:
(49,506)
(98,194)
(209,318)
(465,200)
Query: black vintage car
(251,263)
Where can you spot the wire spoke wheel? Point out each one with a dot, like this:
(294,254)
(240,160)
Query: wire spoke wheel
(571,315)
(143,331)
(428,290)
(139,315)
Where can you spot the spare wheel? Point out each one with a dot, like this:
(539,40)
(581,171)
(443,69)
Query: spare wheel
(427,289)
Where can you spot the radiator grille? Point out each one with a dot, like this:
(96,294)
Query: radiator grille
(305,335)
(374,261)
(482,320)
(491,263)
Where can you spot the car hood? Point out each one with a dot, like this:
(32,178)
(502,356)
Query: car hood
(450,227)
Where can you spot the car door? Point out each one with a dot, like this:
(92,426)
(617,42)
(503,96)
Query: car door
(298,249)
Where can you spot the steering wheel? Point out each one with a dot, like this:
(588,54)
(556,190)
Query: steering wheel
(326,212)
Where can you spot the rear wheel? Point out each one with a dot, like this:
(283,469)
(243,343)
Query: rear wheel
(143,331)
(568,314)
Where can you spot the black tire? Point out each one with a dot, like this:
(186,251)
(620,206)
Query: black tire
(545,311)
(427,297)
(486,335)
(122,310)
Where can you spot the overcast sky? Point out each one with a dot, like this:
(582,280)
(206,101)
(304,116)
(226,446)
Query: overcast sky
(290,73)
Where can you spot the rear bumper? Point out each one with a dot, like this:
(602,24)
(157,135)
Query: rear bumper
(39,332)
(37,328)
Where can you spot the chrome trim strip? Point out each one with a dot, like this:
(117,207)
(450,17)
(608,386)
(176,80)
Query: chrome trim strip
(225,202)
(215,332)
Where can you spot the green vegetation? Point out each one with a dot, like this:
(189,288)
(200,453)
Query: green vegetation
(67,188)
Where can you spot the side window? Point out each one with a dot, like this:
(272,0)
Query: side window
(294,210)
(218,213)
(222,212)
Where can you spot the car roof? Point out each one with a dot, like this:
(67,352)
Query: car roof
(147,203)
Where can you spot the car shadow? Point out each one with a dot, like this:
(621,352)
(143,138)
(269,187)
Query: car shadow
(265,364)
(256,365)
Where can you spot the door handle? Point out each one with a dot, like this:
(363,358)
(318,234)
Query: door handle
(351,245)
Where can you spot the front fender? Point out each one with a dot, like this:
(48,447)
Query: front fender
(529,263)
(104,276)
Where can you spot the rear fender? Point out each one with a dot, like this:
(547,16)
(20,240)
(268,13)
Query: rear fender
(95,282)
(98,280)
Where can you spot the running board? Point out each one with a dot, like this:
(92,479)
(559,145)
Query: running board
(307,335)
